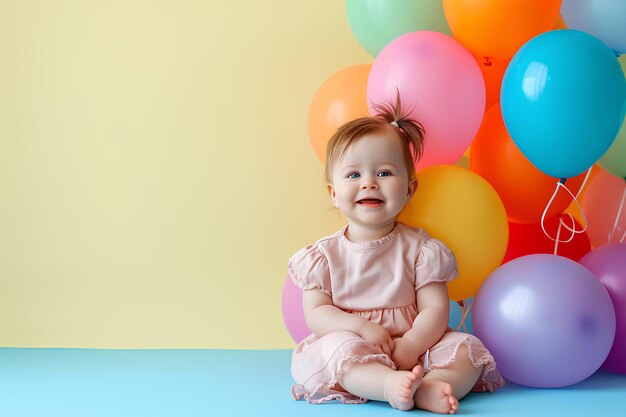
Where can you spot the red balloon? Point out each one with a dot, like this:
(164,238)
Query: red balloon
(527,239)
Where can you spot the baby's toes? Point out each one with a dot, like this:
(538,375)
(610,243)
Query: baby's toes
(454,404)
(409,379)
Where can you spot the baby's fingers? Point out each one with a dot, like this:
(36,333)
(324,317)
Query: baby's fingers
(386,348)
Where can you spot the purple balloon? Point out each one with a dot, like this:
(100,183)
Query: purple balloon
(293,314)
(608,264)
(546,319)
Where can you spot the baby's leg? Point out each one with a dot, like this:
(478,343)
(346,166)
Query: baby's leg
(442,388)
(375,381)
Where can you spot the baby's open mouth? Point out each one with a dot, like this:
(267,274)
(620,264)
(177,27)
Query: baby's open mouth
(368,201)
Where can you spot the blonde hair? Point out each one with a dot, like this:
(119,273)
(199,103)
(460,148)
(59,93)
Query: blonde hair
(389,117)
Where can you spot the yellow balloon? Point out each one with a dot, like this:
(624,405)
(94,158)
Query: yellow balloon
(460,208)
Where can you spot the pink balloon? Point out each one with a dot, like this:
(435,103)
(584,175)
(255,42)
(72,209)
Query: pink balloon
(440,83)
(608,264)
(293,315)
(600,203)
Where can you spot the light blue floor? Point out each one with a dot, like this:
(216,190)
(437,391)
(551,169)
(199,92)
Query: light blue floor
(219,383)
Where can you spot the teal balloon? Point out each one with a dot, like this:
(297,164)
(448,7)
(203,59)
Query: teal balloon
(614,160)
(563,101)
(375,23)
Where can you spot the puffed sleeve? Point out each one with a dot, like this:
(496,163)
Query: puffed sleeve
(435,263)
(308,268)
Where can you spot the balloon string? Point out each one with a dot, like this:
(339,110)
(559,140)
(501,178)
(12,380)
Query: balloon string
(561,184)
(615,227)
(582,186)
(558,231)
(558,234)
(579,207)
(465,308)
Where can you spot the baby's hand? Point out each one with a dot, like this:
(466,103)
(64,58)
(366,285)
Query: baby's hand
(405,354)
(378,336)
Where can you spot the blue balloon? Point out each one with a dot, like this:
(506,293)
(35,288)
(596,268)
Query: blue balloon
(563,101)
(604,19)
(456,316)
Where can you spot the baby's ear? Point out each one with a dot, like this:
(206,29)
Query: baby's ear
(412,187)
(331,192)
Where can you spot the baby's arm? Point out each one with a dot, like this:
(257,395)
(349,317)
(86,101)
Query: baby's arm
(430,324)
(323,318)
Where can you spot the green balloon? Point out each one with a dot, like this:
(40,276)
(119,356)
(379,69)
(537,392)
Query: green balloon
(614,160)
(375,23)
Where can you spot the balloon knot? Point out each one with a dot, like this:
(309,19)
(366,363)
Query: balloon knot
(562,180)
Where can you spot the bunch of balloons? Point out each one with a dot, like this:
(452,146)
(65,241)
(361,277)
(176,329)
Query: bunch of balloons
(533,92)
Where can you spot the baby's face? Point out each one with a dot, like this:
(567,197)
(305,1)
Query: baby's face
(370,183)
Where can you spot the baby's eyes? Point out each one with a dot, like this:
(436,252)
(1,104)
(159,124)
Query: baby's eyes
(382,173)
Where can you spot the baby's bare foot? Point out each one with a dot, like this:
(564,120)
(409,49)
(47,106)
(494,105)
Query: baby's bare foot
(400,387)
(436,396)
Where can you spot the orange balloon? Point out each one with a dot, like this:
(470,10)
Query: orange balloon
(495,28)
(525,191)
(342,97)
(601,204)
(493,72)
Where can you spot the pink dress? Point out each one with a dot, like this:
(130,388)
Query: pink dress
(376,280)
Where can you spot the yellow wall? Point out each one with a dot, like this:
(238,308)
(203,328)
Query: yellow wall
(155,170)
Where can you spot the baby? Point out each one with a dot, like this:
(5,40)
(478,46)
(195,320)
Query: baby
(374,293)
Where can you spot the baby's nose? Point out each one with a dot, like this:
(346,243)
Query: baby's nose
(369,184)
